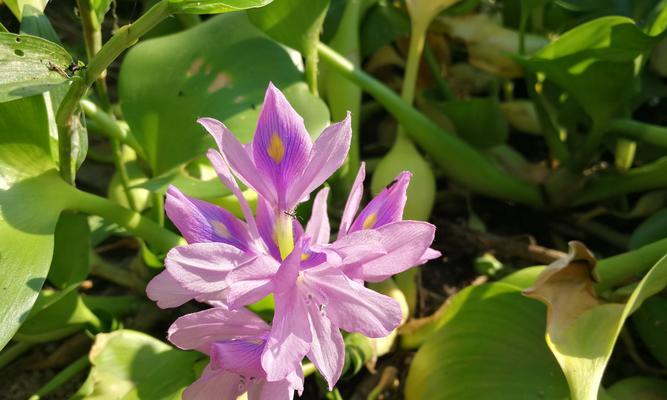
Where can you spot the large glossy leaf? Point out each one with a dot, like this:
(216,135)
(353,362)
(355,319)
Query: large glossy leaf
(30,65)
(595,63)
(71,253)
(163,91)
(491,346)
(581,328)
(296,23)
(131,365)
(31,199)
(214,6)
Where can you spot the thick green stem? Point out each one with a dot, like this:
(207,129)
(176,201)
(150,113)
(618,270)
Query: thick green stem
(616,270)
(415,49)
(159,237)
(125,37)
(158,208)
(647,177)
(10,354)
(122,172)
(456,158)
(112,273)
(111,127)
(639,131)
(93,39)
(310,71)
(62,377)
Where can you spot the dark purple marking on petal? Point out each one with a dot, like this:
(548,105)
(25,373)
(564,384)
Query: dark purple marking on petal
(386,207)
(281,145)
(200,221)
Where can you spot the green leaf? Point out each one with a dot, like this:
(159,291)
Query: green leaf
(163,92)
(491,346)
(189,185)
(479,122)
(100,7)
(595,63)
(35,23)
(31,65)
(650,322)
(32,196)
(131,365)
(523,278)
(17,7)
(214,6)
(384,23)
(652,229)
(296,23)
(70,263)
(56,315)
(582,329)
(638,388)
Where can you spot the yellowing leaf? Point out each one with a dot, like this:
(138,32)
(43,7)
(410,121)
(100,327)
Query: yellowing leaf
(581,328)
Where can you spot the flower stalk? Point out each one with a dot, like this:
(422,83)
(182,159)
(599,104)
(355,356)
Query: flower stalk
(457,159)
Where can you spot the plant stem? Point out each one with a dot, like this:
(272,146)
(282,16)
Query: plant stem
(124,37)
(111,127)
(62,377)
(440,81)
(93,39)
(557,148)
(616,270)
(647,177)
(523,21)
(117,150)
(457,159)
(343,95)
(308,369)
(10,354)
(112,273)
(652,134)
(416,46)
(158,208)
(310,71)
(134,222)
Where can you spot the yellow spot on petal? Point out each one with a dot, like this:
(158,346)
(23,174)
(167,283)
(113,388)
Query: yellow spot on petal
(304,256)
(220,229)
(370,221)
(276,149)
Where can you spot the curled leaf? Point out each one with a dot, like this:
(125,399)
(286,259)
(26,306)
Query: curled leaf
(581,328)
(566,287)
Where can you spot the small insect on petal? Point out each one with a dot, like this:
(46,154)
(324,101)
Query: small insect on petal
(276,149)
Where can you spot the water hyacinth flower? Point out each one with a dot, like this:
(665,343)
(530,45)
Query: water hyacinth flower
(234,339)
(318,284)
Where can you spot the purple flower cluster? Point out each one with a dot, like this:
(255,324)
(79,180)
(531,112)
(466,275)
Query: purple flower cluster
(317,285)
